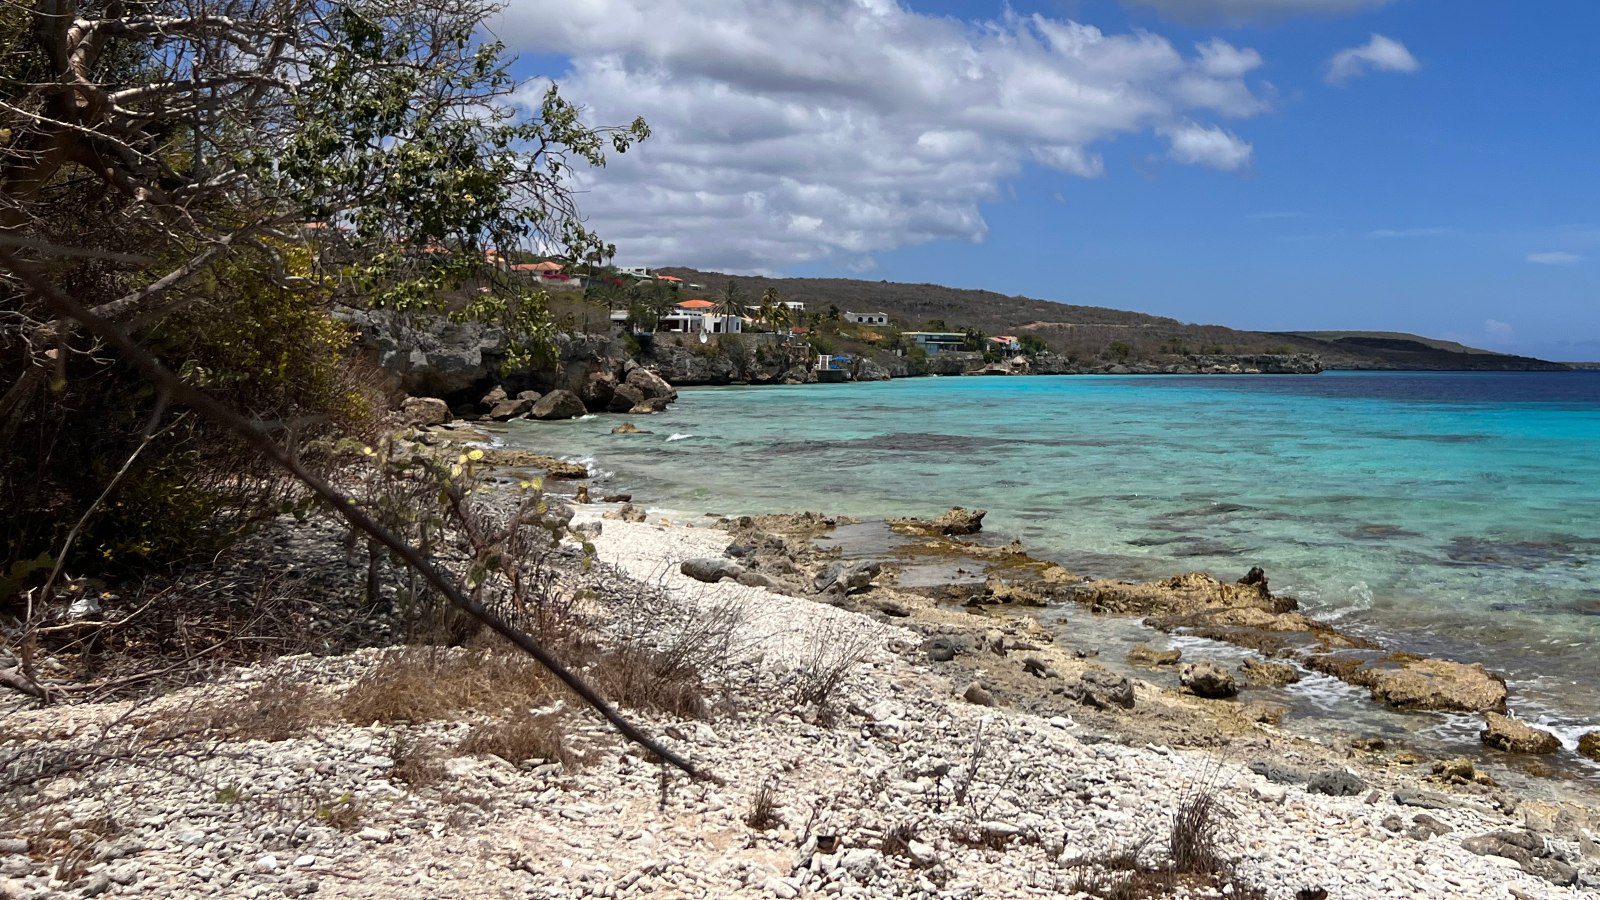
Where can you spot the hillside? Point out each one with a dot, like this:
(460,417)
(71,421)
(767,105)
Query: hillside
(1087,331)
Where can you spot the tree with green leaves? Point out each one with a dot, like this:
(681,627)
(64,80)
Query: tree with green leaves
(176,164)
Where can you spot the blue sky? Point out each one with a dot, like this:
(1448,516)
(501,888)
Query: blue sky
(1204,159)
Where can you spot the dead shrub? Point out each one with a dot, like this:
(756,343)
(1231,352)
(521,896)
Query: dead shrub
(897,840)
(763,814)
(428,684)
(418,763)
(522,738)
(644,678)
(834,650)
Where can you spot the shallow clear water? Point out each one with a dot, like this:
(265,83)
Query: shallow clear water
(1453,514)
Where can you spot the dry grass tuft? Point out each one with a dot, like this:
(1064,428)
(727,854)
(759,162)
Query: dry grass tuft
(418,763)
(650,679)
(1192,846)
(763,814)
(522,738)
(277,709)
(428,684)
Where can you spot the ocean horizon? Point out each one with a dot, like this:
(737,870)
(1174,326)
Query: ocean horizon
(1448,514)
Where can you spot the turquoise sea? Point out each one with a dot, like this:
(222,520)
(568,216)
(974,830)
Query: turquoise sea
(1452,514)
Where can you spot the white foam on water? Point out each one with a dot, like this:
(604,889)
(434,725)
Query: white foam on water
(1325,692)
(678,437)
(1357,599)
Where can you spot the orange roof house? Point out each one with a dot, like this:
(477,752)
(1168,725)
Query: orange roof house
(668,278)
(696,304)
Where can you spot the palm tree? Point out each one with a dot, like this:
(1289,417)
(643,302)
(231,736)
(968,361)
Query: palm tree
(731,303)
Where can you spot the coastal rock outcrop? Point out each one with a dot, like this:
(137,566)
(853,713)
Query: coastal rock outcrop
(425,411)
(1513,736)
(510,408)
(1589,745)
(558,404)
(650,384)
(1410,682)
(1208,680)
(1268,674)
(1529,851)
(506,457)
(847,577)
(1101,689)
(957,521)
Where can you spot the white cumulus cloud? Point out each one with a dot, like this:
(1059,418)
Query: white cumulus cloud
(1252,10)
(1555,258)
(1380,54)
(795,130)
(1203,145)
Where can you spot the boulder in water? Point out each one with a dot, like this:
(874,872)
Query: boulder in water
(1146,655)
(1513,736)
(1589,745)
(558,404)
(624,397)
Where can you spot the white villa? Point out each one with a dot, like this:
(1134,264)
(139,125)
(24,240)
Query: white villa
(696,317)
(867,318)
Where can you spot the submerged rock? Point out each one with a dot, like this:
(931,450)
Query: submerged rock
(1208,680)
(628,428)
(1513,736)
(1146,655)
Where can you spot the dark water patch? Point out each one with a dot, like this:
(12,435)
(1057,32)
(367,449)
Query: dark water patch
(1428,438)
(1525,555)
(1195,548)
(1215,509)
(1157,541)
(1379,531)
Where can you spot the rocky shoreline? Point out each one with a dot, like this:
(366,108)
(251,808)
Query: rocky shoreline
(878,735)
(462,362)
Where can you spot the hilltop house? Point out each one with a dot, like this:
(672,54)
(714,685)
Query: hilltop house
(936,341)
(867,318)
(696,317)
